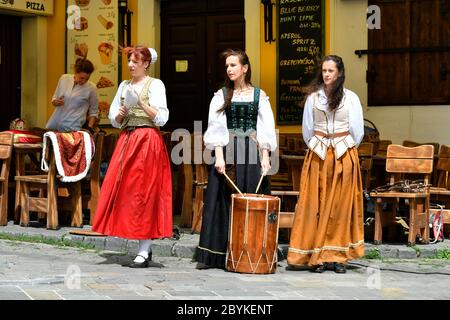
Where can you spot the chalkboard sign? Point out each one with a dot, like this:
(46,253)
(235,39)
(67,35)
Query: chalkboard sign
(300,43)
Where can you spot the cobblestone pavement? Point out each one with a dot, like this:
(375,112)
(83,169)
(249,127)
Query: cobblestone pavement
(33,271)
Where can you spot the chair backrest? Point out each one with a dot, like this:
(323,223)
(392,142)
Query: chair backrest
(410,143)
(97,159)
(382,147)
(6,143)
(443,168)
(365,153)
(109,144)
(406,160)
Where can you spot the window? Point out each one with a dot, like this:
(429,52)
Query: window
(409,57)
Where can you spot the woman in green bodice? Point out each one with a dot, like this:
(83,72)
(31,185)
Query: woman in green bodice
(241,131)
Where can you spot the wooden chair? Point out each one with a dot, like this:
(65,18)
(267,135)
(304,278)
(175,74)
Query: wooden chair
(379,163)
(200,184)
(6,145)
(410,143)
(440,192)
(382,147)
(403,161)
(289,198)
(91,184)
(46,201)
(365,153)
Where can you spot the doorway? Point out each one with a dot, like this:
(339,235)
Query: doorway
(193,34)
(10,68)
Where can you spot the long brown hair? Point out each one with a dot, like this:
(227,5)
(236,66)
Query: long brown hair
(337,91)
(243,59)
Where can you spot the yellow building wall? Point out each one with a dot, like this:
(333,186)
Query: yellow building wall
(56,51)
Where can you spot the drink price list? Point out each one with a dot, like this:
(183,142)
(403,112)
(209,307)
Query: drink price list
(300,45)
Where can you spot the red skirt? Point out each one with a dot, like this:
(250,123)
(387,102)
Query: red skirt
(136,196)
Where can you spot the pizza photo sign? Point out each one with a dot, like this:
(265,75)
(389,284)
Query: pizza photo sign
(92,33)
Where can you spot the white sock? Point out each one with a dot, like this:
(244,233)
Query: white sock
(144,246)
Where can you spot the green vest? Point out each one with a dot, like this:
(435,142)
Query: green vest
(243,115)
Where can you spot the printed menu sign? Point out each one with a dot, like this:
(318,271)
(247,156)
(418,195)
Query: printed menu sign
(300,25)
(39,7)
(92,32)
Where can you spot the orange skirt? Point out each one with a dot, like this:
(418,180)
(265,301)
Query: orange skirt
(328,224)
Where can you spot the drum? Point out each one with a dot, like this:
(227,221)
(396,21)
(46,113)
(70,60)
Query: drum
(253,234)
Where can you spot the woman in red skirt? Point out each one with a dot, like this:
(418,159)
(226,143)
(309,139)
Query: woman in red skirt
(136,195)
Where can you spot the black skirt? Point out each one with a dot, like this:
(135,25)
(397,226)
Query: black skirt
(212,247)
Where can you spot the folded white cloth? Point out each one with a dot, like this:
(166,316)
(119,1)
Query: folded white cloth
(131,97)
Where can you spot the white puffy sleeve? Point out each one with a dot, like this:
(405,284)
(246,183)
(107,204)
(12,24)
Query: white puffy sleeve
(308,119)
(157,98)
(355,118)
(217,132)
(265,126)
(115,105)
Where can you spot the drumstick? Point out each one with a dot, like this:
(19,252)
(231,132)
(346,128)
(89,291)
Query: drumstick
(233,184)
(259,183)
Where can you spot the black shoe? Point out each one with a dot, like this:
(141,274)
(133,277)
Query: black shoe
(339,268)
(144,264)
(202,266)
(319,268)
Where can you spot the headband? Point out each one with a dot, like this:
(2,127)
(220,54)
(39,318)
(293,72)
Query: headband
(153,54)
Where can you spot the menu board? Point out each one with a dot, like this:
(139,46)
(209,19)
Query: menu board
(300,43)
(92,32)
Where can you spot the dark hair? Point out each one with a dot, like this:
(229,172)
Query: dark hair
(243,59)
(139,51)
(83,65)
(337,91)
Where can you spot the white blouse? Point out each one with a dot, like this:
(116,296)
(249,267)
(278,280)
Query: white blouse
(217,133)
(79,101)
(156,96)
(355,115)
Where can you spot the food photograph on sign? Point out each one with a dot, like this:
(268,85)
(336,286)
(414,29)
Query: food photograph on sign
(92,33)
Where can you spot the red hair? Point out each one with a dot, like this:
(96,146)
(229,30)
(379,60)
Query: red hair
(141,52)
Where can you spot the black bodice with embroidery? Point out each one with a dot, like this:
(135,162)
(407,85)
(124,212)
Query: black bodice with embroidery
(243,115)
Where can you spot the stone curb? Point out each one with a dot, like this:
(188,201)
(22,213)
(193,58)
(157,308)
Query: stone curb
(186,245)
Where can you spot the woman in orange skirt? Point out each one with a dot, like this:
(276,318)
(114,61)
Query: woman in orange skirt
(136,195)
(328,223)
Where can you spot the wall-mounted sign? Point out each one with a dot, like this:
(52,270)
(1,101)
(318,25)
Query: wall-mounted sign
(300,43)
(40,7)
(181,65)
(92,32)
